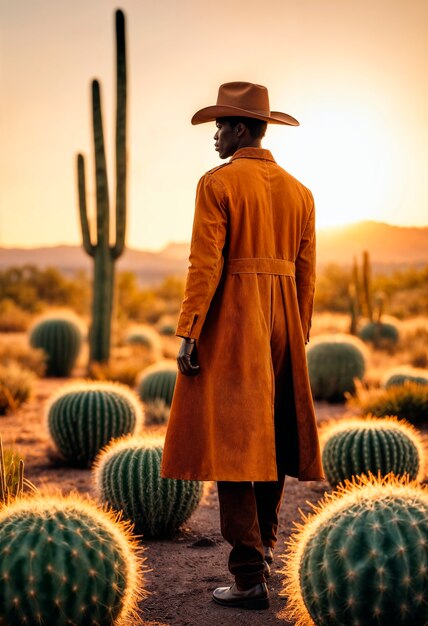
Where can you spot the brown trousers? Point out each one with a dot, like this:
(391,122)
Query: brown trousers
(249,511)
(249,521)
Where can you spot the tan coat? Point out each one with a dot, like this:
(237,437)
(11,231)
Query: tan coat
(248,297)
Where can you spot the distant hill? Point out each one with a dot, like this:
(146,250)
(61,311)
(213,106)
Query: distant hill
(150,267)
(390,247)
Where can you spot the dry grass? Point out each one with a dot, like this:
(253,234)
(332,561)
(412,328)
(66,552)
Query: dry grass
(156,412)
(29,358)
(408,401)
(16,384)
(13,319)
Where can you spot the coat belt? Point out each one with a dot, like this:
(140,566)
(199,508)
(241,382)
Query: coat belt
(259,266)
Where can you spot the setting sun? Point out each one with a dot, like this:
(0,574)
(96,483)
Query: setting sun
(353,166)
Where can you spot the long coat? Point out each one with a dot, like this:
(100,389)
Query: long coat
(252,270)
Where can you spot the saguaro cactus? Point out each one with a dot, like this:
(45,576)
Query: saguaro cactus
(367,286)
(354,298)
(103,253)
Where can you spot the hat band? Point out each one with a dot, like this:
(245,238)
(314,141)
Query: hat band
(255,111)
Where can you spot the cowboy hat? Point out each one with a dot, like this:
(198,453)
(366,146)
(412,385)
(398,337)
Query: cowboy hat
(239,99)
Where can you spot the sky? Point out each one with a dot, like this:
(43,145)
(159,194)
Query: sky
(353,72)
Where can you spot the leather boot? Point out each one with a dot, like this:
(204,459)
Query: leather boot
(266,569)
(255,598)
(268,554)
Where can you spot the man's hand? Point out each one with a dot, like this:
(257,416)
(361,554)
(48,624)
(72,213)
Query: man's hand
(186,359)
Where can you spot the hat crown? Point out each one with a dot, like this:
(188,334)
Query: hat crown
(243,95)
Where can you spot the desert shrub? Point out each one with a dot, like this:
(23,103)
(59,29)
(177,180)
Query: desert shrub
(360,558)
(83,417)
(136,304)
(61,339)
(332,292)
(15,386)
(380,334)
(408,401)
(33,289)
(158,382)
(406,291)
(156,412)
(334,361)
(65,561)
(414,339)
(400,375)
(378,446)
(419,358)
(33,359)
(148,304)
(13,319)
(121,372)
(127,476)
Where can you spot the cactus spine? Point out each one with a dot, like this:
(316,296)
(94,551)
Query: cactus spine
(83,418)
(61,339)
(371,445)
(102,252)
(64,561)
(361,558)
(127,475)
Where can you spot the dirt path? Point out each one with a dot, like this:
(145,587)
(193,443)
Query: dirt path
(182,575)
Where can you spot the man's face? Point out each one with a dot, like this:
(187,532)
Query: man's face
(226,139)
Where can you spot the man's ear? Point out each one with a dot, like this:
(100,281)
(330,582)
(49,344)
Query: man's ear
(240,129)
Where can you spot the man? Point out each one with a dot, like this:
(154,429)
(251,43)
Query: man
(242,412)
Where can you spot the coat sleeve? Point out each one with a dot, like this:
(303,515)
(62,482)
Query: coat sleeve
(305,273)
(206,258)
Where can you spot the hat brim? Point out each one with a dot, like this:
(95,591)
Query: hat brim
(210,114)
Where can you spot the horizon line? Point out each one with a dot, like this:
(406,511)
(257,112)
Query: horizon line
(174,243)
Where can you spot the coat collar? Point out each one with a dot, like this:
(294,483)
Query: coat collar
(253,153)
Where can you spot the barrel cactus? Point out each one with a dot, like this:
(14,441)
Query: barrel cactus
(64,561)
(361,558)
(61,339)
(158,381)
(83,417)
(145,336)
(334,362)
(167,329)
(403,374)
(127,477)
(379,446)
(380,334)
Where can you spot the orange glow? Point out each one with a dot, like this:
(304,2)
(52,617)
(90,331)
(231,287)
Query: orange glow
(352,73)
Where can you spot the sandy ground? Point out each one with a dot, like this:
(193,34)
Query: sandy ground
(182,571)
